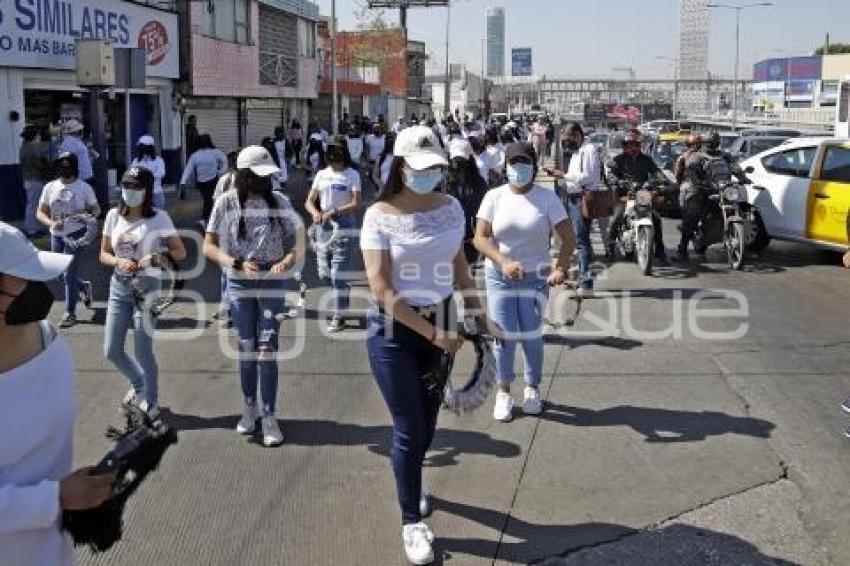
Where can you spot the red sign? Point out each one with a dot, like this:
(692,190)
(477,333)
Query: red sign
(153,38)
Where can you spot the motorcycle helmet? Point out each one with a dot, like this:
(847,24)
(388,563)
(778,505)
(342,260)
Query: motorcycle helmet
(712,142)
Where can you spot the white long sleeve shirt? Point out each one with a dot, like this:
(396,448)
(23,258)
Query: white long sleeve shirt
(584,173)
(155,166)
(37,411)
(205,165)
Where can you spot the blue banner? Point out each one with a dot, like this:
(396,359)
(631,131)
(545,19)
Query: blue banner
(521,62)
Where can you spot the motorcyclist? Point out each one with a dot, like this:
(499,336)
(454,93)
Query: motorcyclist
(634,166)
(699,172)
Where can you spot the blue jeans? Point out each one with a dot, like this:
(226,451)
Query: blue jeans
(122,311)
(518,307)
(399,357)
(340,261)
(255,306)
(73,285)
(581,225)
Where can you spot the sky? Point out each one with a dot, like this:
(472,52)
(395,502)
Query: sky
(591,37)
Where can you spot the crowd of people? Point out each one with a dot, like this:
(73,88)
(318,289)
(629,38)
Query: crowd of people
(449,195)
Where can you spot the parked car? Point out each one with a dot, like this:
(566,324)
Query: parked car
(747,146)
(801,191)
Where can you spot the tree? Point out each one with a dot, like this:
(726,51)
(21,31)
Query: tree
(369,19)
(834,49)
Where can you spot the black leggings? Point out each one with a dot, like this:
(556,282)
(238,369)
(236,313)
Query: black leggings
(207,189)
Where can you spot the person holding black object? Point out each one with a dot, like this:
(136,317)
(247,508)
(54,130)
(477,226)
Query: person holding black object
(37,413)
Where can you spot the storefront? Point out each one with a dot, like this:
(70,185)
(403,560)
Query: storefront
(37,69)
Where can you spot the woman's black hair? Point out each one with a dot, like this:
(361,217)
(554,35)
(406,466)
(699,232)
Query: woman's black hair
(574,128)
(72,160)
(507,137)
(341,142)
(463,175)
(148,210)
(389,145)
(145,150)
(478,145)
(395,181)
(268,144)
(248,184)
(205,142)
(316,146)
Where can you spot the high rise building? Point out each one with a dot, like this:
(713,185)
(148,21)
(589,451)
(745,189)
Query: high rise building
(694,29)
(495,28)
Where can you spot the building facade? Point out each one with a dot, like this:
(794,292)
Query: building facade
(807,82)
(39,83)
(250,66)
(494,22)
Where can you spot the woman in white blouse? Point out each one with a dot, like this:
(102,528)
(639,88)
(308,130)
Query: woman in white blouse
(148,159)
(412,248)
(37,411)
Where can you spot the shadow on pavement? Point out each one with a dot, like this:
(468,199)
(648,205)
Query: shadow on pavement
(607,342)
(663,294)
(660,425)
(447,446)
(573,545)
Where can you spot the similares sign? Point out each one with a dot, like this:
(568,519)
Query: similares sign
(42,33)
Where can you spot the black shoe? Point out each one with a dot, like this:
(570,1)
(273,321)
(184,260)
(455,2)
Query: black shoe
(681,257)
(68,320)
(661,258)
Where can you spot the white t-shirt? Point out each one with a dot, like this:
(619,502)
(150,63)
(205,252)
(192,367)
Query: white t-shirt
(156,166)
(135,240)
(355,149)
(336,189)
(376,146)
(522,223)
(280,149)
(65,200)
(37,412)
(422,247)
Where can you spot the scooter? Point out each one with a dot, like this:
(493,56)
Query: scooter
(637,236)
(728,220)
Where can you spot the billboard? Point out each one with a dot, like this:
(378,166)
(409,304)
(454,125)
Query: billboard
(801,90)
(793,68)
(43,34)
(521,62)
(658,111)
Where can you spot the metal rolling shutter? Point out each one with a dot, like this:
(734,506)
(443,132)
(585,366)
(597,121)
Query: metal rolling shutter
(220,121)
(261,124)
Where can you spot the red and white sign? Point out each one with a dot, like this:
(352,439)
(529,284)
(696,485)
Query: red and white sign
(153,38)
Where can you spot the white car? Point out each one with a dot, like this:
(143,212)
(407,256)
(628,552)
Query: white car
(801,191)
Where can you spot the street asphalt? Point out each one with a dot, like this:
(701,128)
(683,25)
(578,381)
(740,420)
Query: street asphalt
(692,418)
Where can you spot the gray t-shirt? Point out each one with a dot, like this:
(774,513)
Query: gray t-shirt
(269,234)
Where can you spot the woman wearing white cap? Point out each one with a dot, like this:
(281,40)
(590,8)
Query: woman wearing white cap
(464,182)
(148,159)
(513,231)
(37,412)
(133,234)
(255,235)
(412,248)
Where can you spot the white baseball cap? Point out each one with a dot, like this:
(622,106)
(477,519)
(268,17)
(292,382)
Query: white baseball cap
(257,159)
(20,258)
(146,140)
(72,126)
(419,147)
(460,148)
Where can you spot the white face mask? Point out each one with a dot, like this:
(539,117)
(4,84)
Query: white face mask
(422,182)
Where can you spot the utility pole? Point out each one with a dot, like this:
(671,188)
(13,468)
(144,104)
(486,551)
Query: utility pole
(447,86)
(335,102)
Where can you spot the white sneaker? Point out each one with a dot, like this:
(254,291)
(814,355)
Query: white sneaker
(271,431)
(417,543)
(248,423)
(131,398)
(503,409)
(425,502)
(531,402)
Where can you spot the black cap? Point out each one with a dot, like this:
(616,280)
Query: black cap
(518,149)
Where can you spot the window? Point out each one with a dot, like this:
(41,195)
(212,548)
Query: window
(836,164)
(227,20)
(793,163)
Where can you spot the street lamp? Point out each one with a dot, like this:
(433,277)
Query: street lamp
(335,102)
(675,61)
(738,9)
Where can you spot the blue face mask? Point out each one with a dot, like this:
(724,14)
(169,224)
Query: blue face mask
(132,197)
(422,182)
(520,174)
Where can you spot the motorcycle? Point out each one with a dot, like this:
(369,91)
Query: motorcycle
(637,234)
(728,220)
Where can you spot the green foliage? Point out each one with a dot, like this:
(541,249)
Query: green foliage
(834,49)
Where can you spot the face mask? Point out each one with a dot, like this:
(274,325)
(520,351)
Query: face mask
(32,305)
(520,174)
(65,171)
(132,197)
(422,182)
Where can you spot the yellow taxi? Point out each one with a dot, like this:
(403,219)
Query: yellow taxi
(801,191)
